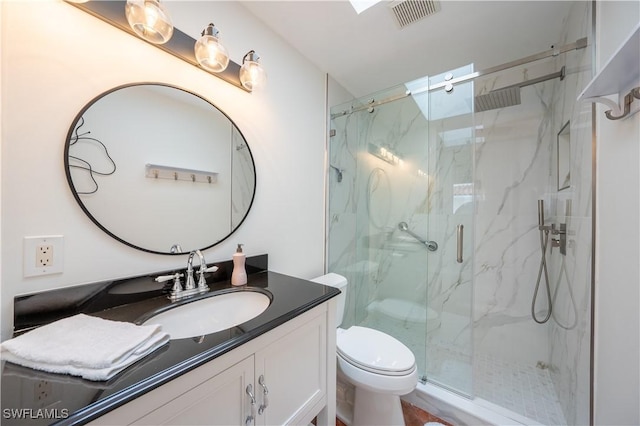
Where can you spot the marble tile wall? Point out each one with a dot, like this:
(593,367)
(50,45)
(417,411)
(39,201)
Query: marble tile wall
(512,165)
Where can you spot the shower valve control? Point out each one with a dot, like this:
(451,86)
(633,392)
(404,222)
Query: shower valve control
(561,240)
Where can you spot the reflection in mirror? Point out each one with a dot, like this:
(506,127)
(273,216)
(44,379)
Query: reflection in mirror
(207,183)
(564,157)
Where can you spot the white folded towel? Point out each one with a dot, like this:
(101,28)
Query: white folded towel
(83,345)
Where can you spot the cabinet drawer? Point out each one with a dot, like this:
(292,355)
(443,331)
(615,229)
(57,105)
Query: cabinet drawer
(220,400)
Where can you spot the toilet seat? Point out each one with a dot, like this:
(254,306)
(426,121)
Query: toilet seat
(375,382)
(374,351)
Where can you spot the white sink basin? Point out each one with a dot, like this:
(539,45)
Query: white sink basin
(211,314)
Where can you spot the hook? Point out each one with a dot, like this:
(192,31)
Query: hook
(627,108)
(616,112)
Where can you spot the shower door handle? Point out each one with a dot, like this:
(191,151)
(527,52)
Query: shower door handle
(459,239)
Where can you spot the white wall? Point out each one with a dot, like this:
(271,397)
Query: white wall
(56,58)
(2,321)
(617,323)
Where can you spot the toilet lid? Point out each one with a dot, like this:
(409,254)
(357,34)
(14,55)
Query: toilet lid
(374,351)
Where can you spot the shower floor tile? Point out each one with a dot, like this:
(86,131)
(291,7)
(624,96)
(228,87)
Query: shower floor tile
(523,389)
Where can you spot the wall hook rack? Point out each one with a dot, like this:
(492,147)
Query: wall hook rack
(157,171)
(619,75)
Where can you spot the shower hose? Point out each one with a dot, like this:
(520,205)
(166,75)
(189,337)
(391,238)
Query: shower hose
(544,240)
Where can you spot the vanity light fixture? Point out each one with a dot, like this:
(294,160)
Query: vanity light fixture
(385,154)
(252,75)
(149,20)
(210,53)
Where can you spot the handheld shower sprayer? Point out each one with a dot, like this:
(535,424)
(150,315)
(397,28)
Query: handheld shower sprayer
(540,214)
(544,240)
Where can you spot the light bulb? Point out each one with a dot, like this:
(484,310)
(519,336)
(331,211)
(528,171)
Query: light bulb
(252,75)
(149,20)
(210,54)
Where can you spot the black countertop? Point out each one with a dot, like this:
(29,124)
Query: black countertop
(31,397)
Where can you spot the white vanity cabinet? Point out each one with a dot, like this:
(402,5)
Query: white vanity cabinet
(293,370)
(288,373)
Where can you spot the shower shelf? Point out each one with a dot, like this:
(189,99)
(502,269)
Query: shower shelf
(621,73)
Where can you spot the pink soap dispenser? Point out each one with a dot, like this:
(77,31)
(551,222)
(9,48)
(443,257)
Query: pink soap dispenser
(239,274)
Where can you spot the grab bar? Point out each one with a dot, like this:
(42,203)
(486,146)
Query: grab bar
(459,237)
(431,245)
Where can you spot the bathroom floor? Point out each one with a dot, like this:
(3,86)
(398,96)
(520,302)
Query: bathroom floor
(413,416)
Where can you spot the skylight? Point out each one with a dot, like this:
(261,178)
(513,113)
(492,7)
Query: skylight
(362,5)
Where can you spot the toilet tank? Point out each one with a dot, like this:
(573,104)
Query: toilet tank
(339,282)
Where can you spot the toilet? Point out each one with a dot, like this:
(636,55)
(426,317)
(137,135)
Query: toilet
(379,366)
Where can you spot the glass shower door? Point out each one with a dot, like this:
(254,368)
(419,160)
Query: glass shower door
(378,193)
(451,212)
(400,183)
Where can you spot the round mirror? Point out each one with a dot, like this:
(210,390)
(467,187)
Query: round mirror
(159,168)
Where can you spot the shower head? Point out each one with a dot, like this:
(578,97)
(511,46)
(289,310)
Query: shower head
(510,95)
(499,98)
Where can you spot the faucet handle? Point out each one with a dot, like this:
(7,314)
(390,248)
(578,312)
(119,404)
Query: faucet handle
(177,285)
(163,278)
(202,283)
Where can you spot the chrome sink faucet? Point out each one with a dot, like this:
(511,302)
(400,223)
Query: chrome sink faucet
(190,288)
(202,283)
(190,284)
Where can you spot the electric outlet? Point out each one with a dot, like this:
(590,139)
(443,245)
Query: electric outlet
(43,255)
(46,394)
(42,393)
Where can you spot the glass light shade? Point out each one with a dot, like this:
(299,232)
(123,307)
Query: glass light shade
(149,20)
(252,75)
(210,54)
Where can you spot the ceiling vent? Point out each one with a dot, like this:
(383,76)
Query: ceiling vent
(409,11)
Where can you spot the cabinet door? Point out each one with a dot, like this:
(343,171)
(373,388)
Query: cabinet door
(293,369)
(220,400)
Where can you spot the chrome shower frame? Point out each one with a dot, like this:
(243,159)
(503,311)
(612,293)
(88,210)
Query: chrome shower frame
(578,44)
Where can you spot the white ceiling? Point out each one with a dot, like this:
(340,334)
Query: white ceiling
(368,52)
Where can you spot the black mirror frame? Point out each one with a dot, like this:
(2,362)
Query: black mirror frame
(94,220)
